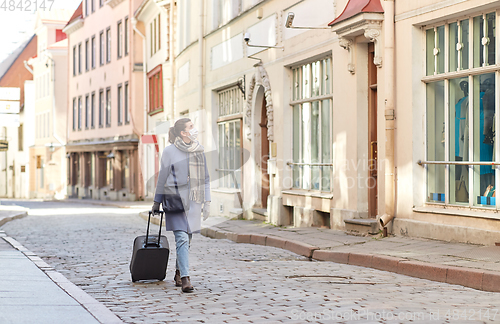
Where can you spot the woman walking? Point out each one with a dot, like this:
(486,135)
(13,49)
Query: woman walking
(184,170)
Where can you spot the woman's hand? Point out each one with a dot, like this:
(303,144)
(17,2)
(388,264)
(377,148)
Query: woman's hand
(206,210)
(156,207)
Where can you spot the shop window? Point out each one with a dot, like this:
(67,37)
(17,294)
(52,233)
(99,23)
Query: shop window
(312,121)
(230,108)
(460,112)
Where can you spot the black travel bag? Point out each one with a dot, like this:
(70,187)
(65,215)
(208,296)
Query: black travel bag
(150,255)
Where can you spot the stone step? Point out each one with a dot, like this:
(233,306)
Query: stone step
(362,226)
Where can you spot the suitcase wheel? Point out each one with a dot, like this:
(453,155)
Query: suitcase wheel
(133,279)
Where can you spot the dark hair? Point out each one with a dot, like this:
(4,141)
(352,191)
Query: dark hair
(175,131)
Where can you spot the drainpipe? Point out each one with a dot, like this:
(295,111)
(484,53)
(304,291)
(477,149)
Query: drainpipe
(140,180)
(389,113)
(171,58)
(144,69)
(200,54)
(53,72)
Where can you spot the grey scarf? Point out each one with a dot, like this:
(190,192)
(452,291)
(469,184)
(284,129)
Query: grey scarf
(196,168)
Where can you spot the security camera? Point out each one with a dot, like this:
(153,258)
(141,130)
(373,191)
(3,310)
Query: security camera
(289,20)
(246,37)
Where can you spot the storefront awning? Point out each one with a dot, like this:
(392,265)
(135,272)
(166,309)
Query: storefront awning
(355,7)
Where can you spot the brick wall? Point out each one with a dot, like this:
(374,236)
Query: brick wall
(17,73)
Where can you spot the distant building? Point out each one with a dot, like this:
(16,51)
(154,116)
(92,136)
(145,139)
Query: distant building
(50,66)
(105,102)
(15,163)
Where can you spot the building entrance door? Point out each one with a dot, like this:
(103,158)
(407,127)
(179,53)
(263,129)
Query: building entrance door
(264,154)
(372,134)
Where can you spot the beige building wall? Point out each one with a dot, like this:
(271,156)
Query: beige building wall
(50,76)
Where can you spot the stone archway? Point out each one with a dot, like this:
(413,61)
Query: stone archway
(260,78)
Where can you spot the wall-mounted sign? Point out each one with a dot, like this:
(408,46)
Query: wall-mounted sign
(9,120)
(9,107)
(9,93)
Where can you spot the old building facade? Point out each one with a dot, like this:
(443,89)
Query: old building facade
(105,102)
(48,154)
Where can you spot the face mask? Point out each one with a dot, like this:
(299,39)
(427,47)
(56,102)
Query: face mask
(193,134)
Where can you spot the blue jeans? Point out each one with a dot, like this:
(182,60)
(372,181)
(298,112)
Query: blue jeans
(182,243)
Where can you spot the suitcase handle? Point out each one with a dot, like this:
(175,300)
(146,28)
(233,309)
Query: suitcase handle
(159,233)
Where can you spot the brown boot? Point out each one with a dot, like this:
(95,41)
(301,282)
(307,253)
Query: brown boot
(186,285)
(177,278)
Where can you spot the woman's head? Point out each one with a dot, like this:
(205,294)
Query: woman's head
(180,129)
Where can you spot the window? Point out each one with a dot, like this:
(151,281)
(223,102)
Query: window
(79,113)
(102,46)
(312,120)
(101,108)
(74,60)
(155,89)
(108,45)
(101,3)
(80,58)
(119,104)
(125,106)
(74,114)
(460,111)
(87,55)
(92,5)
(86,5)
(108,107)
(230,108)
(20,139)
(93,51)
(125,40)
(154,35)
(87,111)
(92,110)
(119,40)
(225,10)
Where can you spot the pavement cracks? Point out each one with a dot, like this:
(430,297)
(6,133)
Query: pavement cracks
(234,283)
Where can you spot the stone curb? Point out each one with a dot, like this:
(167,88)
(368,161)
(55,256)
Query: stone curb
(101,313)
(474,278)
(91,202)
(6,219)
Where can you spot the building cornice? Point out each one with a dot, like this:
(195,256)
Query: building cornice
(74,26)
(113,3)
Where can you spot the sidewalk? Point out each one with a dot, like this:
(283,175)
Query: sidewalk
(33,292)
(8,213)
(468,265)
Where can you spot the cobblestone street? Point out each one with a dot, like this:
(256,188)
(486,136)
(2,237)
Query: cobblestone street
(92,246)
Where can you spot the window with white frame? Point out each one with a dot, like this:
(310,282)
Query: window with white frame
(93,49)
(125,37)
(108,45)
(125,104)
(312,126)
(119,104)
(101,108)
(155,35)
(119,39)
(79,113)
(230,109)
(102,46)
(108,107)
(462,111)
(87,55)
(225,10)
(87,111)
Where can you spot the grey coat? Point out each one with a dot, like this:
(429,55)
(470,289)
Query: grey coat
(189,221)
